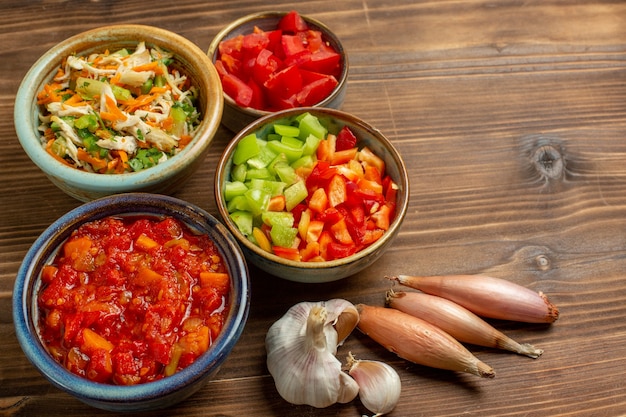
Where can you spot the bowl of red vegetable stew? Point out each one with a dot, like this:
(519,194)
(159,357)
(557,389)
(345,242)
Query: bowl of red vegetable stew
(123,108)
(271,61)
(312,194)
(131,302)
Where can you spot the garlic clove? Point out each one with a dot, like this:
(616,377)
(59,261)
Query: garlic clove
(379,384)
(344,317)
(349,388)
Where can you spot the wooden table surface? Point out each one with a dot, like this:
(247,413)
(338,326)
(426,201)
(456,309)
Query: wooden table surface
(511,117)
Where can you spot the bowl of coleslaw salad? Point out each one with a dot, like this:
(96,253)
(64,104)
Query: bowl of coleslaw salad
(119,108)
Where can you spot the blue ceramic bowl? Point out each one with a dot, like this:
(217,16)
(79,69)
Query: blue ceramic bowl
(164,178)
(318,272)
(236,117)
(152,395)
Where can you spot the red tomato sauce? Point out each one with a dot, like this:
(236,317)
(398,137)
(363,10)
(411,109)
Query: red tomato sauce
(128,301)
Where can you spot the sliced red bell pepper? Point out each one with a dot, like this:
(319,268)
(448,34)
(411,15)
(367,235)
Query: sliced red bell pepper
(340,232)
(336,191)
(318,201)
(345,139)
(287,253)
(337,250)
(310,251)
(382,217)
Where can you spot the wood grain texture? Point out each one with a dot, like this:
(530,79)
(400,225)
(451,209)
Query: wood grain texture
(484,100)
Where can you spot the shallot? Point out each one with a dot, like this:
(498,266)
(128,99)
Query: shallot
(457,321)
(486,296)
(418,341)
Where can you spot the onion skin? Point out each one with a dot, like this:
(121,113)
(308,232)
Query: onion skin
(418,341)
(457,321)
(486,296)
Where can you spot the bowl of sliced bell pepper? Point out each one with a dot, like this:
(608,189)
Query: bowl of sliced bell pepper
(312,194)
(272,61)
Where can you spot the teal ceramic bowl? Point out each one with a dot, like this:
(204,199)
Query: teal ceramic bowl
(319,272)
(164,178)
(237,117)
(152,395)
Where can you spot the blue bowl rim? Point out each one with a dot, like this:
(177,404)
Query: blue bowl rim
(140,204)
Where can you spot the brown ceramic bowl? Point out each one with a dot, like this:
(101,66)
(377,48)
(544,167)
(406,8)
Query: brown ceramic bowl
(318,272)
(236,117)
(163,178)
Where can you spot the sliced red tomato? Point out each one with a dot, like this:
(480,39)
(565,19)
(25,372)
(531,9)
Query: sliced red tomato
(237,89)
(231,46)
(255,42)
(292,45)
(284,83)
(316,91)
(258,98)
(265,64)
(324,61)
(292,22)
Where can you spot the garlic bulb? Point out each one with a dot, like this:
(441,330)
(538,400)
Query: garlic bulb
(301,349)
(379,384)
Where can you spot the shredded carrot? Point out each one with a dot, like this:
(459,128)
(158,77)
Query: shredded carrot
(60,73)
(114,113)
(151,66)
(123,155)
(97,163)
(75,101)
(184,141)
(135,104)
(159,90)
(50,93)
(167,123)
(115,80)
(112,166)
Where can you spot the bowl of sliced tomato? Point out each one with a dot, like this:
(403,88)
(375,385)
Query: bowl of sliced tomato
(119,108)
(312,194)
(272,61)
